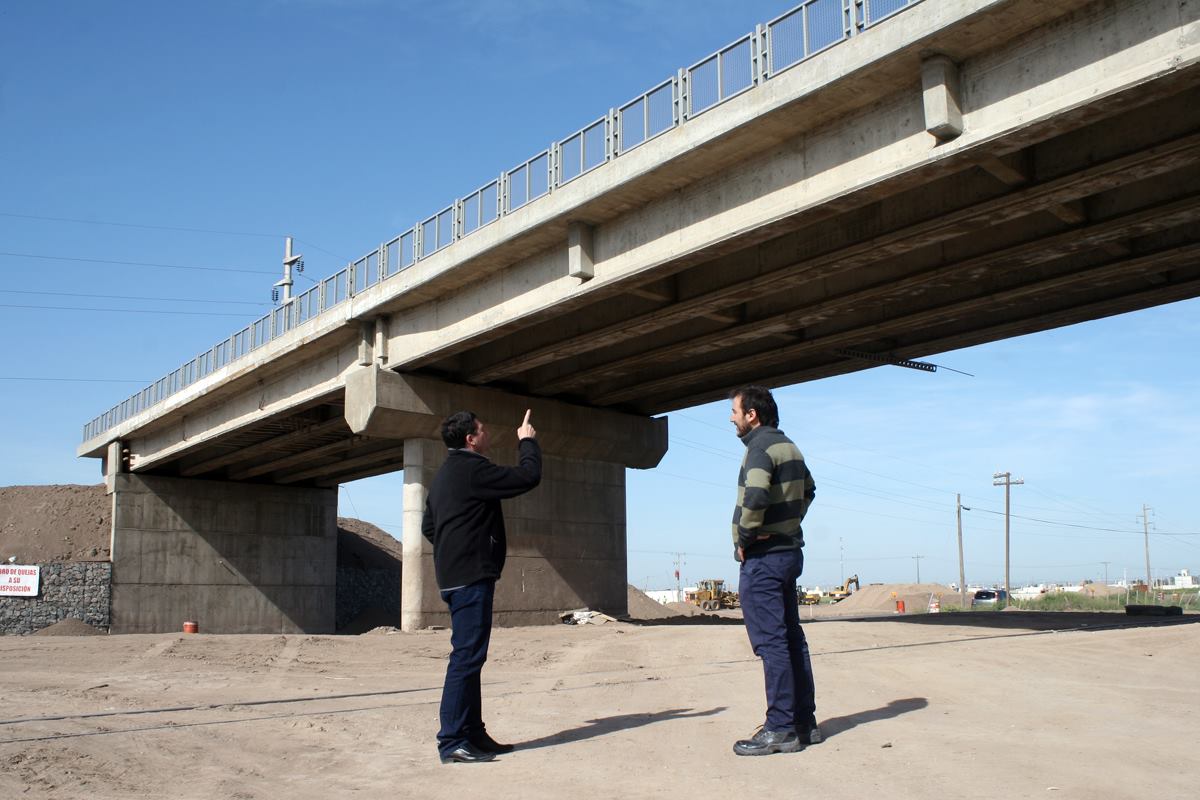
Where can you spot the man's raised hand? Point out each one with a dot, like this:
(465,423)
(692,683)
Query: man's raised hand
(526,431)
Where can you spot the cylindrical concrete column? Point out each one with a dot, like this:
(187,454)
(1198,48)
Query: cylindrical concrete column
(422,457)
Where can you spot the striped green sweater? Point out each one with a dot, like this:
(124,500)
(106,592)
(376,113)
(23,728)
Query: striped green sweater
(775,489)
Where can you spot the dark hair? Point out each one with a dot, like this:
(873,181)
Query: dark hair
(456,428)
(758,398)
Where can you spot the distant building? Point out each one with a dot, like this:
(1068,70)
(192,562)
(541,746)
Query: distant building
(665,596)
(1183,580)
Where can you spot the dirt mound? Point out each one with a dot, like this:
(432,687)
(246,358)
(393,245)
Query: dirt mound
(882,597)
(684,609)
(70,627)
(642,606)
(366,546)
(55,523)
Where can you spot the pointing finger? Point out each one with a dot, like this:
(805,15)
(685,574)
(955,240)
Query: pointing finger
(528,411)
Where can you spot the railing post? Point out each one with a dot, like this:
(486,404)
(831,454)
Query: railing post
(610,135)
(551,166)
(764,53)
(685,99)
(381,265)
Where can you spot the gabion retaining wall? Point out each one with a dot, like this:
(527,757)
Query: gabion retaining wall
(360,589)
(82,590)
(75,589)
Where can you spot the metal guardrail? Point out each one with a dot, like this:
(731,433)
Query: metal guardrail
(782,43)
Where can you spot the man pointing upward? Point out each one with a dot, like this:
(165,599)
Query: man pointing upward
(465,524)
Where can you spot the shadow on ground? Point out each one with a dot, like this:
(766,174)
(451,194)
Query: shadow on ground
(1030,620)
(698,619)
(606,725)
(835,725)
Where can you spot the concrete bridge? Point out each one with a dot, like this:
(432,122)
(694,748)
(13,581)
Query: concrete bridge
(872,190)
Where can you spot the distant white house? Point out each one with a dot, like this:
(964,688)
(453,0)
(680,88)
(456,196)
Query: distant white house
(1184,580)
(665,596)
(1029,592)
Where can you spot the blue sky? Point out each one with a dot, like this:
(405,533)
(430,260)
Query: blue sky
(201,134)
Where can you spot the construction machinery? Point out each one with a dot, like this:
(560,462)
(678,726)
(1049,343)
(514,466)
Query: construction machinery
(839,593)
(807,598)
(711,594)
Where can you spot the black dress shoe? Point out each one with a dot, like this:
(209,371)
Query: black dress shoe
(481,741)
(766,742)
(466,754)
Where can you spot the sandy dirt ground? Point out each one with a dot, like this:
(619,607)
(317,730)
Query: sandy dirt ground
(1003,705)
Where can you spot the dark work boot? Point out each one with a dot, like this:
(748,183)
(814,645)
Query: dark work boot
(489,745)
(766,742)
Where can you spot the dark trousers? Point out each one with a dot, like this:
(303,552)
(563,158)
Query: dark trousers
(471,630)
(767,588)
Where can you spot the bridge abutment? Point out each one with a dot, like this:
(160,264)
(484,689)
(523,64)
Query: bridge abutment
(234,557)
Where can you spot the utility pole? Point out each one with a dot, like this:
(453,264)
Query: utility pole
(289,261)
(1146,532)
(962,575)
(679,563)
(1007,483)
(842,560)
(1105,563)
(918,560)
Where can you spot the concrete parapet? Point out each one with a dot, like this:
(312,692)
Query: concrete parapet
(235,557)
(390,405)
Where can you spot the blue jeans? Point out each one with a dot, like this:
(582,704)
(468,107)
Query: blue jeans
(767,588)
(471,629)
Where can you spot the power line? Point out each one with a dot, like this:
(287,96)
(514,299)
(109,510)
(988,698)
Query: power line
(134,225)
(136,263)
(127,310)
(168,228)
(137,297)
(75,380)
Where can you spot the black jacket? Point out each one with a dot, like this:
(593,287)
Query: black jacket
(463,519)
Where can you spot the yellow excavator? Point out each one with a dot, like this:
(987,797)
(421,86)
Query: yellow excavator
(840,593)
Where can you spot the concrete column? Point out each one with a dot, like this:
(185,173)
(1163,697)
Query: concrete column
(234,557)
(566,544)
(566,538)
(418,588)
(943,111)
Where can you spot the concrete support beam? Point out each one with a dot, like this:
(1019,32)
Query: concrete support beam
(250,453)
(366,341)
(235,557)
(418,587)
(580,262)
(385,404)
(382,324)
(942,98)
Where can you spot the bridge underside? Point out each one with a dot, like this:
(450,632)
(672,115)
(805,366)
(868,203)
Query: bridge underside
(1100,220)
(1037,233)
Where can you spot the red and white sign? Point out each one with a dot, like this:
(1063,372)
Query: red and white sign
(17,580)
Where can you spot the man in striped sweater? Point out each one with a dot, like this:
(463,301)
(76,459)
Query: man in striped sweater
(775,489)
